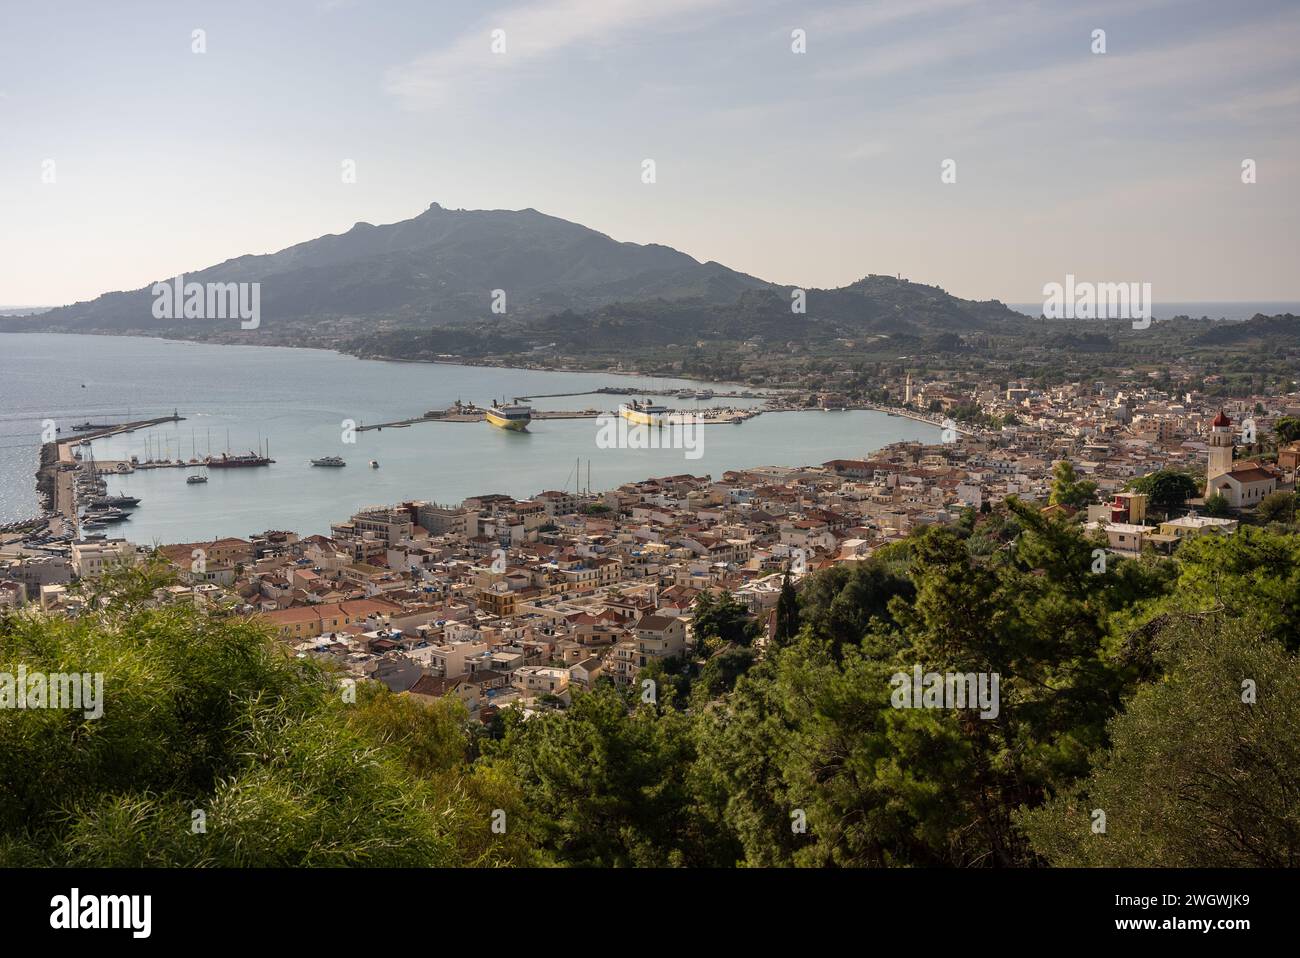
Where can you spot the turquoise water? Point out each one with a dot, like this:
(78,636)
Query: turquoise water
(297,399)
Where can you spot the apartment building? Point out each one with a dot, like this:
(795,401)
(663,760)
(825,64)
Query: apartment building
(653,637)
(92,559)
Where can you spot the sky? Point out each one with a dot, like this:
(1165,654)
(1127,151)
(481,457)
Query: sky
(127,157)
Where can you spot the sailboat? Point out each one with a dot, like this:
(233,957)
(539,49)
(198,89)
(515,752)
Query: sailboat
(227,461)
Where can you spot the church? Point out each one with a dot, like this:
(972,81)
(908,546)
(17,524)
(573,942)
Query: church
(1243,484)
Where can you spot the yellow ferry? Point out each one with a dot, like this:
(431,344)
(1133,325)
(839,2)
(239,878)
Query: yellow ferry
(514,417)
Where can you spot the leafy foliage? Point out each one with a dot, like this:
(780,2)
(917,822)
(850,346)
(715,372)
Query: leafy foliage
(207,715)
(1200,772)
(1068,489)
(1168,489)
(722,621)
(1277,507)
(1119,687)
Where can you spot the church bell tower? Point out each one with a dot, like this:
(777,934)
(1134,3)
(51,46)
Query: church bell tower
(1221,442)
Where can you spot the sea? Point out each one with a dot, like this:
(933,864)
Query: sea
(295,401)
(1211,310)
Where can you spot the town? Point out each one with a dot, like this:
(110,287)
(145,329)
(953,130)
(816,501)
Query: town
(500,602)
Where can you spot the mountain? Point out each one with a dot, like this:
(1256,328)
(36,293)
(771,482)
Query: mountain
(1259,330)
(440,268)
(876,304)
(379,290)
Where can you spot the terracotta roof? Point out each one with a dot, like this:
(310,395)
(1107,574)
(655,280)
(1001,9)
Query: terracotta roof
(349,609)
(655,623)
(1251,475)
(431,685)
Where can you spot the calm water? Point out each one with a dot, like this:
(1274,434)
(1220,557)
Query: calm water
(1226,310)
(297,399)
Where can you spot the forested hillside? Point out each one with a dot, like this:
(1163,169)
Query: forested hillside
(1159,693)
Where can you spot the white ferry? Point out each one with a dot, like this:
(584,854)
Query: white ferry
(643,413)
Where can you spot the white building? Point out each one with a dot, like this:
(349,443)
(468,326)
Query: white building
(1243,488)
(92,559)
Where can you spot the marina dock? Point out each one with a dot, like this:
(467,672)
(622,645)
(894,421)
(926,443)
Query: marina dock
(55,478)
(708,416)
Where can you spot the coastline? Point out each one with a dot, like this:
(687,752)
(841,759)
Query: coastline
(462,361)
(45,506)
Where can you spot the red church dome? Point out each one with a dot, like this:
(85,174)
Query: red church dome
(1221,420)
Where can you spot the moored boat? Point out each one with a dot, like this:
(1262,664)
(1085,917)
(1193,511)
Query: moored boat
(228,461)
(514,417)
(115,502)
(643,413)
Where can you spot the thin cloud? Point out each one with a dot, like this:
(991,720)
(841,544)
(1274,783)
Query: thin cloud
(532,33)
(974,29)
(1112,87)
(855,18)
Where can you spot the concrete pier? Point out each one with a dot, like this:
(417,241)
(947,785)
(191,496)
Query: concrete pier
(57,472)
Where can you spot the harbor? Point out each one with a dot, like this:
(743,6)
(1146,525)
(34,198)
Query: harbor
(73,483)
(299,398)
(63,478)
(70,478)
(470,413)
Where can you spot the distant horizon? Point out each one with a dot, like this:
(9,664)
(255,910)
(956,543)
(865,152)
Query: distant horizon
(1019,306)
(1015,307)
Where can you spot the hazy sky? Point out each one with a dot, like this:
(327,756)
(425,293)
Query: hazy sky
(812,169)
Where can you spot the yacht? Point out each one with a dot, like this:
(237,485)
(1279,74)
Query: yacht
(116,502)
(331,461)
(195,480)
